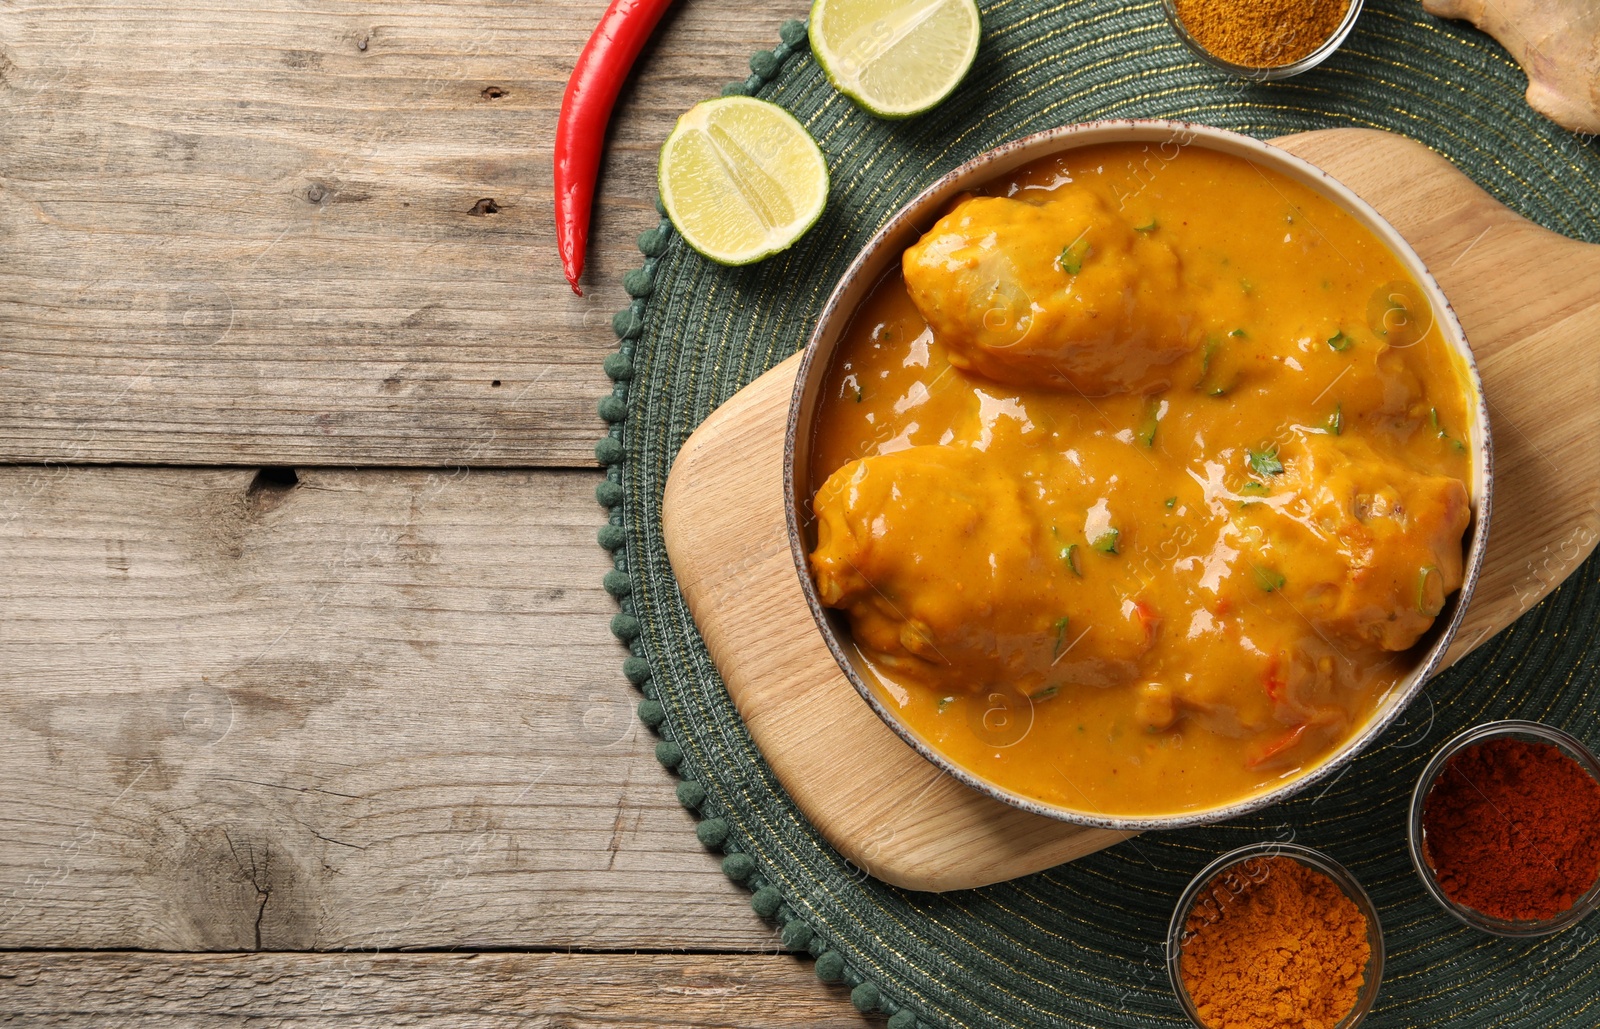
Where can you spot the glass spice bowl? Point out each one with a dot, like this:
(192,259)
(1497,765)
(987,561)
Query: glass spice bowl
(1273,72)
(1313,859)
(1533,732)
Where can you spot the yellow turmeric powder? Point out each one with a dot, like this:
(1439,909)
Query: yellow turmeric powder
(1274,944)
(1261,33)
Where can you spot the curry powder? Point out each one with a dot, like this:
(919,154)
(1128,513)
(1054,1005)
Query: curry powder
(1261,33)
(1274,944)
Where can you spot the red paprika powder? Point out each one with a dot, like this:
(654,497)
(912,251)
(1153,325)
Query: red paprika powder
(1512,829)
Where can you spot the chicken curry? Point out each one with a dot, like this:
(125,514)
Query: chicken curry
(1138,490)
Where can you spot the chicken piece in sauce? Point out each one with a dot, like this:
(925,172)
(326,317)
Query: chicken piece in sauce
(952,577)
(1361,545)
(1064,293)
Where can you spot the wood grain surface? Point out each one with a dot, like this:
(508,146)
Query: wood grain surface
(371,710)
(1530,304)
(75,990)
(374,709)
(266,231)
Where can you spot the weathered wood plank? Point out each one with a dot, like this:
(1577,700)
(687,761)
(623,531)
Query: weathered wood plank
(371,710)
(251,232)
(615,991)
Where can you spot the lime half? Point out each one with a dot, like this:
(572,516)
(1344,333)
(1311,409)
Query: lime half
(741,179)
(896,58)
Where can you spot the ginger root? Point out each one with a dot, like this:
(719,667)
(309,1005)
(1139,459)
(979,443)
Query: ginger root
(1557,42)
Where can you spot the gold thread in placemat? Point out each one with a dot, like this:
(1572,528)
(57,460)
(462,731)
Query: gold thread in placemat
(1080,945)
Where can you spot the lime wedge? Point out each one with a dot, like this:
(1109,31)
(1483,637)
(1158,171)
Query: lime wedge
(896,58)
(741,179)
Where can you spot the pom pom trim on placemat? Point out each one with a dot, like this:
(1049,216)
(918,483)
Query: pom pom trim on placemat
(1061,947)
(713,831)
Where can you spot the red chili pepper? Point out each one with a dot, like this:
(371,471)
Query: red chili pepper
(592,91)
(1273,680)
(1279,746)
(1149,621)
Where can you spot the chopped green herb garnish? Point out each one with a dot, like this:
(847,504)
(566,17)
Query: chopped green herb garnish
(1215,379)
(1433,418)
(1073,256)
(1044,694)
(1255,487)
(1397,304)
(1149,226)
(1339,341)
(945,702)
(1069,556)
(1265,462)
(1061,634)
(1245,285)
(1172,502)
(1152,420)
(1336,420)
(1267,579)
(858,394)
(1106,542)
(1223,361)
(1423,603)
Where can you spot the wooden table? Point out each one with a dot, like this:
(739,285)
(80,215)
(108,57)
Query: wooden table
(309,712)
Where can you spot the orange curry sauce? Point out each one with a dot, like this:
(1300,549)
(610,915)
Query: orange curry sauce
(1142,480)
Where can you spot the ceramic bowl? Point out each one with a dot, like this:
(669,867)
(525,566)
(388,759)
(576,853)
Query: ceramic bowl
(885,249)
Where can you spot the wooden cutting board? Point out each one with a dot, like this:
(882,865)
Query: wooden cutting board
(1530,303)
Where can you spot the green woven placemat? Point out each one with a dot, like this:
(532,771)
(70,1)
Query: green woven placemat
(1081,945)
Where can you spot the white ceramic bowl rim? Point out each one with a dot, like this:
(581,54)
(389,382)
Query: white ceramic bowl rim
(908,223)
